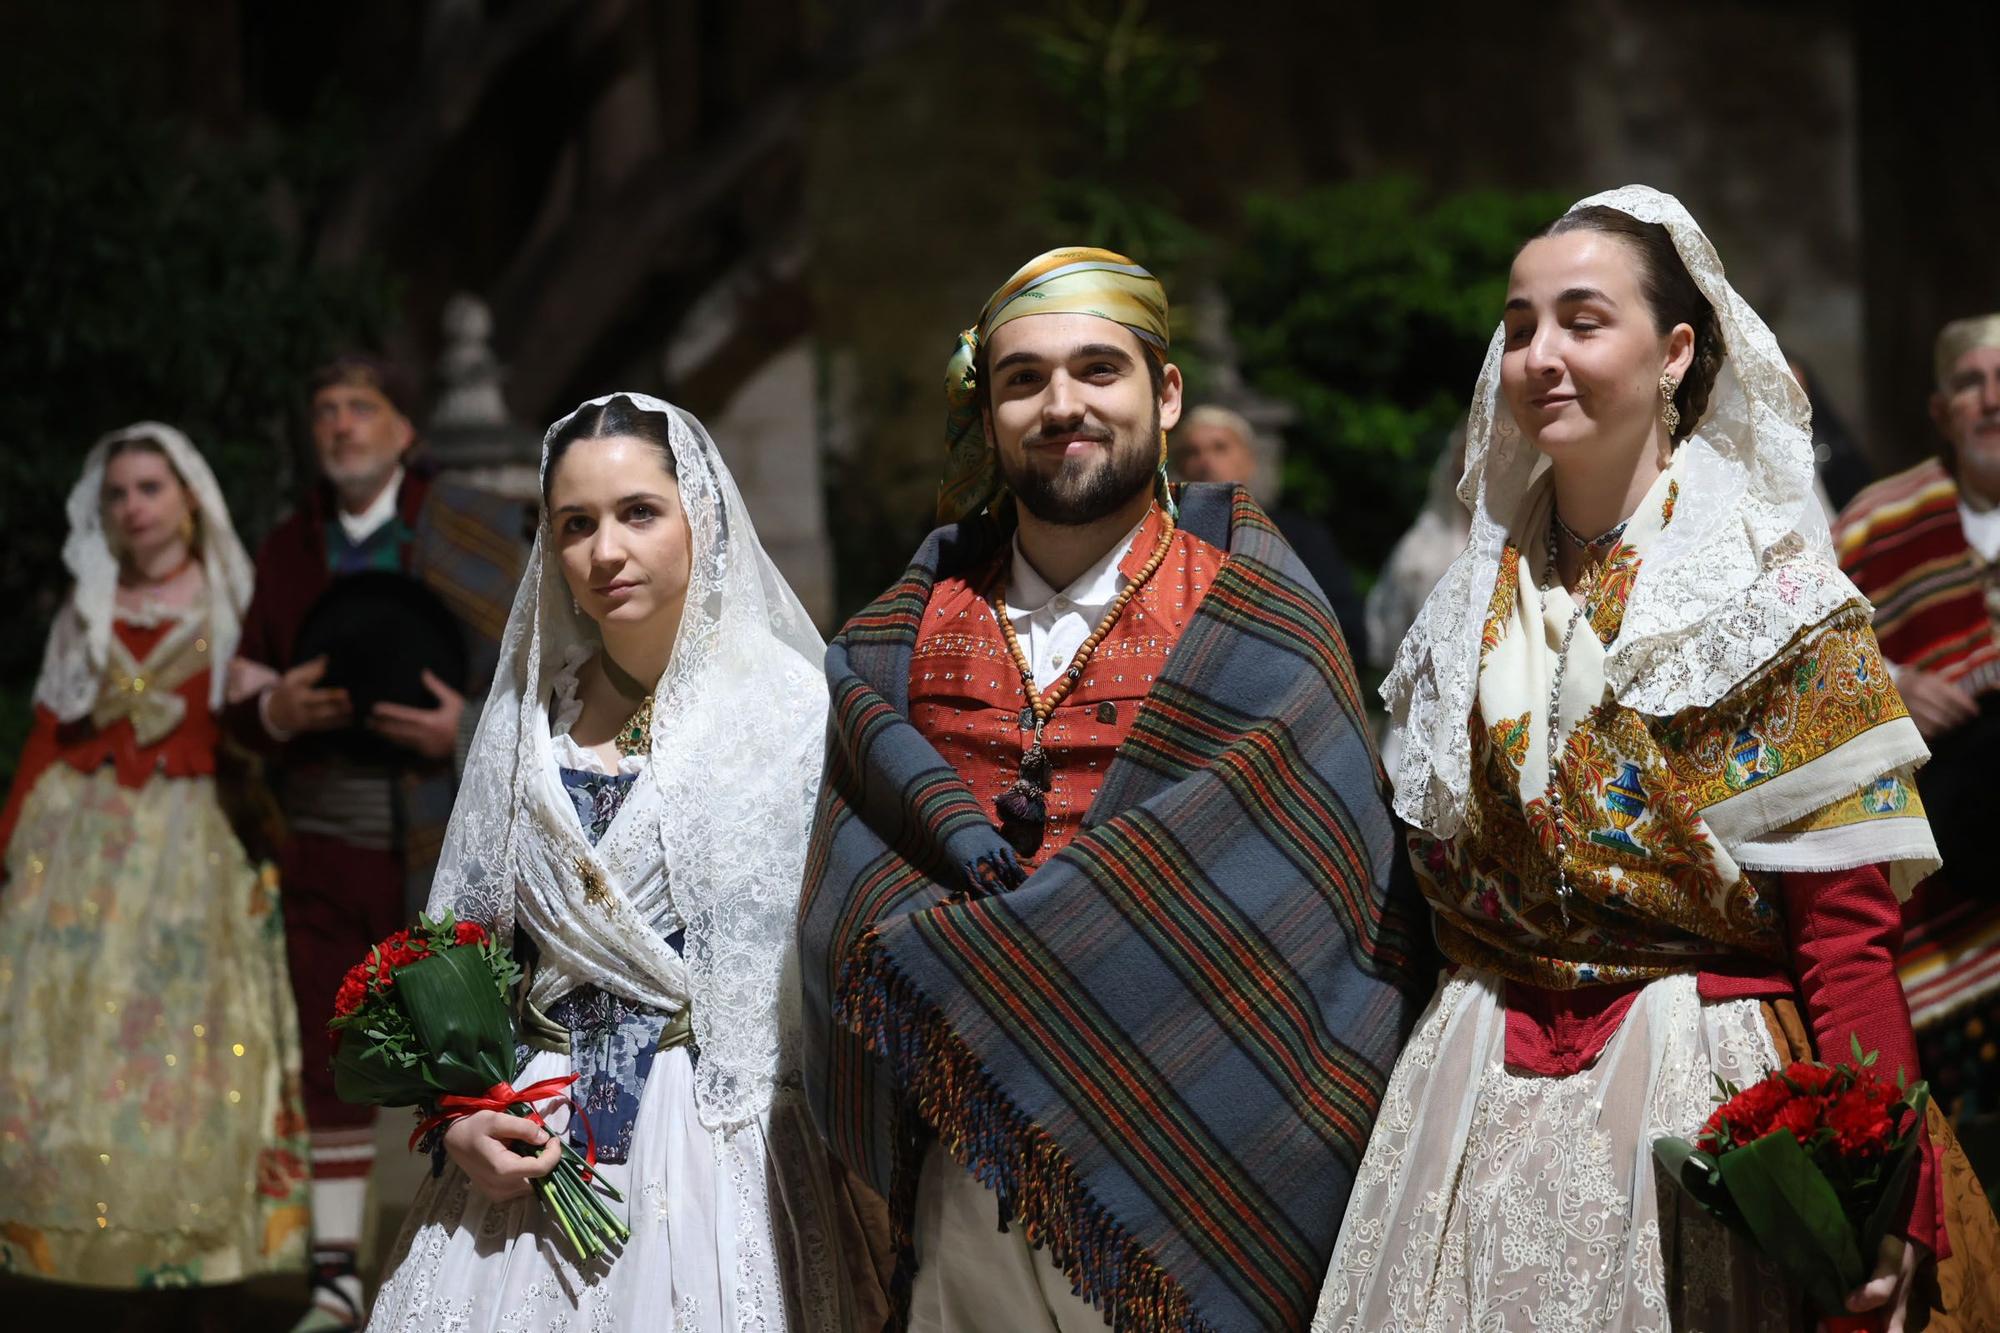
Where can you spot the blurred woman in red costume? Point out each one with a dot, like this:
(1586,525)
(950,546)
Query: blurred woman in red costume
(150,1134)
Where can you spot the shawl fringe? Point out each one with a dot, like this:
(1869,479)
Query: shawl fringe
(986,1133)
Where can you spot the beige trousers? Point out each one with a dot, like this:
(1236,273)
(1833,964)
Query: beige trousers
(973,1277)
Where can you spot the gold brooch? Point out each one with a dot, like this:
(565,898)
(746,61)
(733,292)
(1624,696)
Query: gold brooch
(595,891)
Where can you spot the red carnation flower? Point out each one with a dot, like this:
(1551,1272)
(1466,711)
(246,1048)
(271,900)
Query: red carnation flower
(470,932)
(353,990)
(1813,1080)
(400,950)
(1800,1115)
(1750,1111)
(1859,1119)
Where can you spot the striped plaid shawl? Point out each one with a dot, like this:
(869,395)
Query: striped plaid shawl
(1902,543)
(1163,1050)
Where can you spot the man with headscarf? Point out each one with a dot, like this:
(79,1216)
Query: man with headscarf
(1104,943)
(1214,443)
(363,827)
(1924,545)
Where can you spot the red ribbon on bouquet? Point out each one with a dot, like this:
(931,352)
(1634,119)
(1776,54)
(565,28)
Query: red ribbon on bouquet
(1872,1322)
(505,1097)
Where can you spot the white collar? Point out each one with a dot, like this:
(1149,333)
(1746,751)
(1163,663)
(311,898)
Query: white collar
(1028,591)
(1982,527)
(380,510)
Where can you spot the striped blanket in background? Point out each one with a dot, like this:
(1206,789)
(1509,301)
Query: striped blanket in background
(1165,1049)
(1902,542)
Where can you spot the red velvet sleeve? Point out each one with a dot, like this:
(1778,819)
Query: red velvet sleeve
(36,756)
(1846,927)
(259,643)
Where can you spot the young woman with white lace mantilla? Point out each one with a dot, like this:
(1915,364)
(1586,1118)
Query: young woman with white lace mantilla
(634,817)
(150,1128)
(1659,784)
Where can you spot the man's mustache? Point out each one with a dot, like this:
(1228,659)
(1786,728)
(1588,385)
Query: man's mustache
(1040,437)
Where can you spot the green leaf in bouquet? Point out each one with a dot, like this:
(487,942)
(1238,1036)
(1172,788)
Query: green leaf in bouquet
(1795,1217)
(461,1019)
(370,1073)
(1696,1173)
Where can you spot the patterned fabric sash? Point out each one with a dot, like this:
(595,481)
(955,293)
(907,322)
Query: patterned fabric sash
(468,548)
(1164,1050)
(1668,826)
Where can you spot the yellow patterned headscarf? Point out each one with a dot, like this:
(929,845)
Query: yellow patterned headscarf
(1961,336)
(1070,281)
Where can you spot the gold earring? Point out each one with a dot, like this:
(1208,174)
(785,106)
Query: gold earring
(187,529)
(1669,386)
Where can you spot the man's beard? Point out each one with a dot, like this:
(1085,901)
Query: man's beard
(1977,465)
(358,483)
(1082,491)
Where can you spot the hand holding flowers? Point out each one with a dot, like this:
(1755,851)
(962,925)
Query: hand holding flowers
(424,1020)
(1814,1163)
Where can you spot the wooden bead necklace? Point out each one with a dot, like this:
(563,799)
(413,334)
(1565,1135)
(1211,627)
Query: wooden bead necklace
(1023,807)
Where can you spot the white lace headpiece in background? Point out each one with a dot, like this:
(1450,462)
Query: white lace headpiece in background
(80,640)
(1745,565)
(718,820)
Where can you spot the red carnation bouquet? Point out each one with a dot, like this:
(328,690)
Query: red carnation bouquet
(423,1021)
(1813,1164)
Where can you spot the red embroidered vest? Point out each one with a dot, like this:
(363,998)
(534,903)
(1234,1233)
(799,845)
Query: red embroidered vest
(967,699)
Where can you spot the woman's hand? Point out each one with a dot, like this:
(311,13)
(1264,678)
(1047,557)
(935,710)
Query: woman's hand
(482,1146)
(1889,1289)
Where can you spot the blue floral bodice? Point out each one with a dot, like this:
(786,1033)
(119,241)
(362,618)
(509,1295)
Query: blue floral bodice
(612,1041)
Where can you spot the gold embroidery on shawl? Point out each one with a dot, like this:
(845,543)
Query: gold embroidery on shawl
(1654,896)
(1891,796)
(1827,688)
(1611,587)
(1500,607)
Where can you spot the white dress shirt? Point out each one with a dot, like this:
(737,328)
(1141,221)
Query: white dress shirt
(359,527)
(1982,529)
(1052,625)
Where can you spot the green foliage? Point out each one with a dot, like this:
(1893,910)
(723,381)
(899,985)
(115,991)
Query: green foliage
(1368,306)
(154,273)
(1119,78)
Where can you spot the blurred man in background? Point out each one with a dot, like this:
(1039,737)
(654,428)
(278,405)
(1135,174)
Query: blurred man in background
(1216,444)
(365,790)
(1924,545)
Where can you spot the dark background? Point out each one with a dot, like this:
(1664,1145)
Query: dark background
(779,213)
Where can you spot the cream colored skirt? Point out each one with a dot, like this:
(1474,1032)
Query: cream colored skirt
(150,1130)
(1491,1200)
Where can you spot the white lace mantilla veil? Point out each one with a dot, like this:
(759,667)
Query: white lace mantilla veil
(717,821)
(1746,564)
(80,640)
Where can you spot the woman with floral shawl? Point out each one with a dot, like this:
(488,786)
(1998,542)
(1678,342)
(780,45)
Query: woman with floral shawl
(1661,798)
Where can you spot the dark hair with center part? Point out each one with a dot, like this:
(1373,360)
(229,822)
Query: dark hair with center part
(144,444)
(1671,293)
(617,415)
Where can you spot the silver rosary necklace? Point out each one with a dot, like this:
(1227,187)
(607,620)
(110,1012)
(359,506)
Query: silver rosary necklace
(1552,796)
(1588,545)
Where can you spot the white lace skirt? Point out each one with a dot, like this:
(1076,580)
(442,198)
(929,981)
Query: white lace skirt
(729,1232)
(1489,1200)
